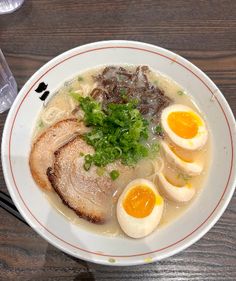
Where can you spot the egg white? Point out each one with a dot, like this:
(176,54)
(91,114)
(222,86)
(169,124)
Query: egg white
(194,143)
(190,168)
(139,227)
(175,193)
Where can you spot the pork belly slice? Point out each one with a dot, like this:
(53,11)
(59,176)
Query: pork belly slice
(88,194)
(43,148)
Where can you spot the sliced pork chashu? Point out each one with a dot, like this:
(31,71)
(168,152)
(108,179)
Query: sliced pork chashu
(88,194)
(42,152)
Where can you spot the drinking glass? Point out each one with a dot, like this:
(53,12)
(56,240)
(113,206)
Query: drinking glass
(9,6)
(8,86)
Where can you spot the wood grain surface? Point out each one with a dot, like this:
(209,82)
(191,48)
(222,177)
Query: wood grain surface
(203,32)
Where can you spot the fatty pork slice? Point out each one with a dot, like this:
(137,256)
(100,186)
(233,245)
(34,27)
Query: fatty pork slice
(88,194)
(42,152)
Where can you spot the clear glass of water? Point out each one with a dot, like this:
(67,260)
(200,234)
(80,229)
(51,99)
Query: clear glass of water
(9,6)
(8,86)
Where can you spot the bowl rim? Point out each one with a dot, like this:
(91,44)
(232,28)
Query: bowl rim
(140,46)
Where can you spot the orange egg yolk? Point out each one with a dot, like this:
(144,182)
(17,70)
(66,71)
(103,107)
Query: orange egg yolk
(140,201)
(184,124)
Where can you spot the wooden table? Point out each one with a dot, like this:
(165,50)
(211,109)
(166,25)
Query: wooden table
(203,32)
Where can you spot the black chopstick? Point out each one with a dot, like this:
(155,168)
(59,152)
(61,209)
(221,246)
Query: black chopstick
(7,204)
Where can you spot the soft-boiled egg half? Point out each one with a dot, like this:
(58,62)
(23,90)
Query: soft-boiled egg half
(173,192)
(190,168)
(139,208)
(184,126)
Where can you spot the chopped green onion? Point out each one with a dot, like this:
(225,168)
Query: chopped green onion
(154,150)
(80,78)
(100,171)
(92,109)
(114,174)
(87,166)
(185,177)
(117,132)
(41,124)
(180,93)
(123,91)
(158,130)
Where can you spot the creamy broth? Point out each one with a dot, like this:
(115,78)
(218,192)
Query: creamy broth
(61,106)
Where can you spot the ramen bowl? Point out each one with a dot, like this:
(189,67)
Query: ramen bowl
(203,213)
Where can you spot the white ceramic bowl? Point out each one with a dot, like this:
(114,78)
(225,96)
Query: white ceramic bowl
(57,230)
